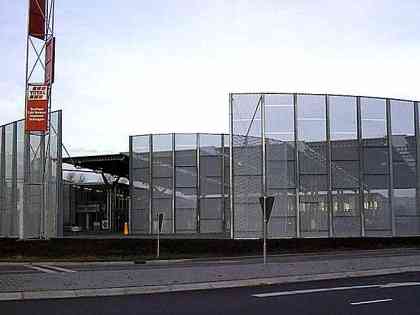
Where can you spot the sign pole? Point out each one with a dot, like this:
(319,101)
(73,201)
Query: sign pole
(265,229)
(159,228)
(266,203)
(158,244)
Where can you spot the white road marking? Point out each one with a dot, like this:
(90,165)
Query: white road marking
(370,302)
(400,284)
(40,269)
(263,295)
(58,268)
(381,286)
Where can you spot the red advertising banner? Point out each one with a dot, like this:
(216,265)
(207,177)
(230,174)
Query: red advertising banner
(37,18)
(36,118)
(50,61)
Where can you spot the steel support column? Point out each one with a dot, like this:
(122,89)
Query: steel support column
(131,174)
(198,183)
(3,204)
(173,185)
(151,184)
(417,133)
(19,220)
(329,168)
(231,173)
(361,166)
(222,182)
(59,183)
(391,172)
(297,179)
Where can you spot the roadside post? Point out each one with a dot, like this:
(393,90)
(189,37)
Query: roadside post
(160,224)
(266,203)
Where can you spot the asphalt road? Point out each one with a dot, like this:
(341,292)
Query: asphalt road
(393,294)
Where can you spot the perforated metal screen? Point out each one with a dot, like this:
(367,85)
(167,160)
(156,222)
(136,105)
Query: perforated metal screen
(338,166)
(182,176)
(30,181)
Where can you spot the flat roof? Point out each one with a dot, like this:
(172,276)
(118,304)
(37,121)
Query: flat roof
(115,164)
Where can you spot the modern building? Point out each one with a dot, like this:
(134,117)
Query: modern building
(337,165)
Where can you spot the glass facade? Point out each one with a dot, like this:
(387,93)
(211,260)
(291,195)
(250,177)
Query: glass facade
(183,176)
(30,181)
(338,166)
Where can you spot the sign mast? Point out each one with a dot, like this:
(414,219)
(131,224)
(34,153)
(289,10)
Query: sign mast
(39,79)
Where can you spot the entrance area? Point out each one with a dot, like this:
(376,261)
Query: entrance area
(96,194)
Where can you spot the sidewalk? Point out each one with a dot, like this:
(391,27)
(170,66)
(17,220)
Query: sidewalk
(170,278)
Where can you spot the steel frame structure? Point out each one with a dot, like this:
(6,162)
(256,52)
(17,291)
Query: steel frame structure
(35,73)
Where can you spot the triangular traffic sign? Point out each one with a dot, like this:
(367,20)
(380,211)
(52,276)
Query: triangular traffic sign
(160,217)
(269,202)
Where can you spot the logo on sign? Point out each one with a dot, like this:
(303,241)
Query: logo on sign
(37,108)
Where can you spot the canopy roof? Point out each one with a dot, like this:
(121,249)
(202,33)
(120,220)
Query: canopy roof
(114,164)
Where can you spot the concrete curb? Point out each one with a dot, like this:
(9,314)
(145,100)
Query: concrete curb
(69,263)
(167,261)
(344,253)
(59,294)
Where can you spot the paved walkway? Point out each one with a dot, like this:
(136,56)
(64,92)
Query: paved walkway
(173,277)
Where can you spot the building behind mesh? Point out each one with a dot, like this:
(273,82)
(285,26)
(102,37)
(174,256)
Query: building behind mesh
(337,165)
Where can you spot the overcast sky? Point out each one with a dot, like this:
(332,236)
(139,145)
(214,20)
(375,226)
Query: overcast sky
(133,66)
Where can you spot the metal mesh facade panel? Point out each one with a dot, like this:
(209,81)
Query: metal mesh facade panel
(186,183)
(140,184)
(404,168)
(247,164)
(187,173)
(281,163)
(247,185)
(53,193)
(31,181)
(162,180)
(376,166)
(348,163)
(226,183)
(338,166)
(212,170)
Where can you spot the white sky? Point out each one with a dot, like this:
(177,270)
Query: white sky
(133,67)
